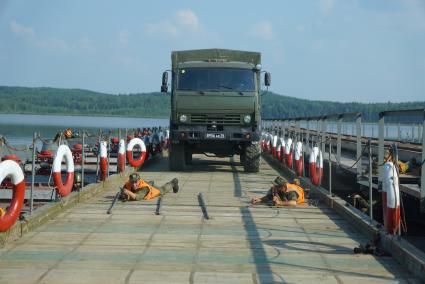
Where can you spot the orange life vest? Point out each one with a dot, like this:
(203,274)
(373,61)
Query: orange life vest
(153,191)
(298,189)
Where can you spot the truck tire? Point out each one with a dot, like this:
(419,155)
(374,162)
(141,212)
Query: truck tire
(188,157)
(252,158)
(242,157)
(176,157)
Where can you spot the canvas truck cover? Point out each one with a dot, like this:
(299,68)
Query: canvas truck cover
(214,54)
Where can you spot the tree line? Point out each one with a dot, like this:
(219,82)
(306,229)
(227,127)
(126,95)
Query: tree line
(157,105)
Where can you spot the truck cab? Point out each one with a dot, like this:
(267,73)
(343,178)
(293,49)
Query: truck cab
(215,105)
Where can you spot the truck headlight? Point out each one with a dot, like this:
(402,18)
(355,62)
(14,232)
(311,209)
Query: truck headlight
(247,118)
(183,118)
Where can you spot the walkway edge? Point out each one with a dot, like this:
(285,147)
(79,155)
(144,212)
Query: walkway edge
(404,252)
(53,209)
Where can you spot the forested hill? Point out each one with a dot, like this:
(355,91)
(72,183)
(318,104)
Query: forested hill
(83,102)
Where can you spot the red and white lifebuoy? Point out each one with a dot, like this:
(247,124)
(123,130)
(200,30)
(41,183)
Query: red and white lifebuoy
(263,141)
(299,158)
(269,143)
(136,163)
(316,165)
(103,161)
(63,189)
(274,144)
(289,152)
(121,156)
(390,197)
(279,149)
(9,168)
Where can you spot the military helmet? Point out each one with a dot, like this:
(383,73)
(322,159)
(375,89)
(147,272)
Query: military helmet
(279,181)
(77,178)
(134,177)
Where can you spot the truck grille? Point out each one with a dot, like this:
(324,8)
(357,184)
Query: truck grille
(215,119)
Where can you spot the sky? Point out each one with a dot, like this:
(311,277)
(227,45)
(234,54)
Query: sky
(337,50)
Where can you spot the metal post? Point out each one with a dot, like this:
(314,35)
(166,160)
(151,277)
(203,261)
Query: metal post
(338,141)
(330,168)
(32,173)
(381,145)
(359,145)
(413,133)
(108,153)
(323,138)
(83,157)
(370,181)
(307,134)
(422,194)
(386,131)
(99,140)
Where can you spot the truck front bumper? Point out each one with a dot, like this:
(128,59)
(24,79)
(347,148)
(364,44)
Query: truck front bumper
(201,133)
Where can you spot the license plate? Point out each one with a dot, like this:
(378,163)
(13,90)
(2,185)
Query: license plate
(215,135)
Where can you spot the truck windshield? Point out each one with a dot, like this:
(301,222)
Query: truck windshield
(216,79)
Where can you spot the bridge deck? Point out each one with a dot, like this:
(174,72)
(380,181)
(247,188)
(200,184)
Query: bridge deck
(240,244)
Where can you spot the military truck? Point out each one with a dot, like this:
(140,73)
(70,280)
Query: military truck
(215,105)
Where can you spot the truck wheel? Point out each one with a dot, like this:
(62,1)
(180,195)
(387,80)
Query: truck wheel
(188,157)
(176,157)
(252,158)
(242,157)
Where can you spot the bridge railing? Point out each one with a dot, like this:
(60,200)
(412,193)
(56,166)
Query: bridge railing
(37,163)
(368,138)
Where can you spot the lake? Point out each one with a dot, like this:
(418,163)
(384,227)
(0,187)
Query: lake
(19,129)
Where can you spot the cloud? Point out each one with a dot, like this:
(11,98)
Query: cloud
(21,30)
(262,30)
(300,28)
(319,44)
(182,22)
(83,44)
(188,19)
(326,6)
(123,38)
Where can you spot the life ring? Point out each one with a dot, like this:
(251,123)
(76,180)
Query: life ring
(12,157)
(268,143)
(63,189)
(280,149)
(288,152)
(274,144)
(103,161)
(130,146)
(9,168)
(299,158)
(262,141)
(390,198)
(315,165)
(121,156)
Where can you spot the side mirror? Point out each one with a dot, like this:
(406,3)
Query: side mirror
(267,79)
(164,86)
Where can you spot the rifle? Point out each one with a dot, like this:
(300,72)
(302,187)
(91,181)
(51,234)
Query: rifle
(117,196)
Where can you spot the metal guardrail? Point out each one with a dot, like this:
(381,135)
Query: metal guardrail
(87,139)
(420,114)
(321,130)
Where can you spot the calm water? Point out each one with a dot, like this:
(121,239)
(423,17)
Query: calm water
(19,129)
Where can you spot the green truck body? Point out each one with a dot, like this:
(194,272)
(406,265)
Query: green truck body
(215,105)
